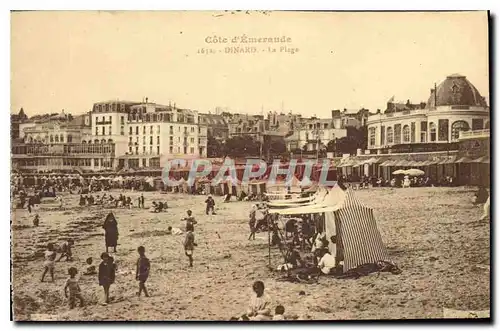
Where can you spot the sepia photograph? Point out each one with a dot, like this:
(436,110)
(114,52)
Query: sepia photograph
(250,166)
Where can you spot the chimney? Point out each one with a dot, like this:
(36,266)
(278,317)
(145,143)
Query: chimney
(146,99)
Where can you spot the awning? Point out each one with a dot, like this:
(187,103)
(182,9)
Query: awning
(464,159)
(387,163)
(482,159)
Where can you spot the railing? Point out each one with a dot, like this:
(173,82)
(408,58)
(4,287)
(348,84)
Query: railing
(474,134)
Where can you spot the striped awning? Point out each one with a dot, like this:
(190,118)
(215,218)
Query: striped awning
(387,163)
(448,160)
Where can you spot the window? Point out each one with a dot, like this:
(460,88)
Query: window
(143,162)
(151,140)
(171,129)
(390,137)
(397,134)
(412,132)
(70,138)
(192,150)
(144,149)
(137,130)
(192,129)
(109,119)
(144,140)
(62,138)
(406,134)
(443,130)
(372,136)
(151,129)
(122,120)
(130,130)
(103,130)
(423,132)
(144,129)
(185,150)
(56,138)
(477,124)
(192,140)
(158,129)
(382,135)
(458,126)
(51,138)
(157,140)
(171,149)
(432,131)
(136,150)
(150,149)
(96,162)
(122,130)
(109,129)
(137,140)
(130,140)
(158,150)
(96,130)
(185,129)
(171,141)
(325,126)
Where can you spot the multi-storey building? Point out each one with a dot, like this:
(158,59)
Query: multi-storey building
(146,134)
(15,122)
(350,117)
(314,134)
(454,106)
(216,125)
(247,125)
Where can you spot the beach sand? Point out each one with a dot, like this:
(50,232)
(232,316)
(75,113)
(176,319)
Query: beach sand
(432,234)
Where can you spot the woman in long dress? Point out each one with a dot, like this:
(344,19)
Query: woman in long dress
(111,232)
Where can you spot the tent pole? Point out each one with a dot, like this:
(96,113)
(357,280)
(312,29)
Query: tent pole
(269,239)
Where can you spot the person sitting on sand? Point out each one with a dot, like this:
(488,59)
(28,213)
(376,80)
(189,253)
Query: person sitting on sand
(36,220)
(174,231)
(210,202)
(106,274)
(259,308)
(74,288)
(153,207)
(65,250)
(90,268)
(50,257)
(327,263)
(279,313)
(293,257)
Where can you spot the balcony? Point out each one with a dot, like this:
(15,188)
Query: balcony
(103,122)
(474,134)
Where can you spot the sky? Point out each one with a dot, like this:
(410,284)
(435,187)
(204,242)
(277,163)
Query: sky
(69,60)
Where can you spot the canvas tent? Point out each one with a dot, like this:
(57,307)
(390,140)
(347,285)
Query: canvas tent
(358,240)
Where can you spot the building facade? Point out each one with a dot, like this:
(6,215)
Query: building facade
(313,134)
(350,118)
(216,126)
(146,134)
(454,106)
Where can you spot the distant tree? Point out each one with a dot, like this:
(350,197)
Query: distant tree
(240,146)
(214,147)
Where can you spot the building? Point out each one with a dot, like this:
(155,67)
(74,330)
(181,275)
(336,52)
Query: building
(146,134)
(216,125)
(350,118)
(56,142)
(454,106)
(246,125)
(15,122)
(314,133)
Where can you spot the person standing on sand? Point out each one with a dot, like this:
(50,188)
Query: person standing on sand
(50,261)
(252,222)
(210,205)
(190,221)
(142,271)
(110,227)
(189,246)
(142,201)
(74,288)
(106,274)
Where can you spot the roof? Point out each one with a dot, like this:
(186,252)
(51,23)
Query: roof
(456,90)
(214,119)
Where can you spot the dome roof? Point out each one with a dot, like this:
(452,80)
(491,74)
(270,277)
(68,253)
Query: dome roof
(456,90)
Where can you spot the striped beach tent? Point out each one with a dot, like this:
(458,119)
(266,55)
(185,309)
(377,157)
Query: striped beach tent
(358,240)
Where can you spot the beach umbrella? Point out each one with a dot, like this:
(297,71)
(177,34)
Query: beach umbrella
(414,172)
(398,172)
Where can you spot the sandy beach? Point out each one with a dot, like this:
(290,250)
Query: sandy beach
(432,234)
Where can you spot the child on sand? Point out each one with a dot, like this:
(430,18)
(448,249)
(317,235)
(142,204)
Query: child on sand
(36,220)
(190,221)
(50,260)
(279,313)
(65,250)
(189,246)
(259,308)
(74,288)
(106,274)
(142,270)
(210,202)
(90,268)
